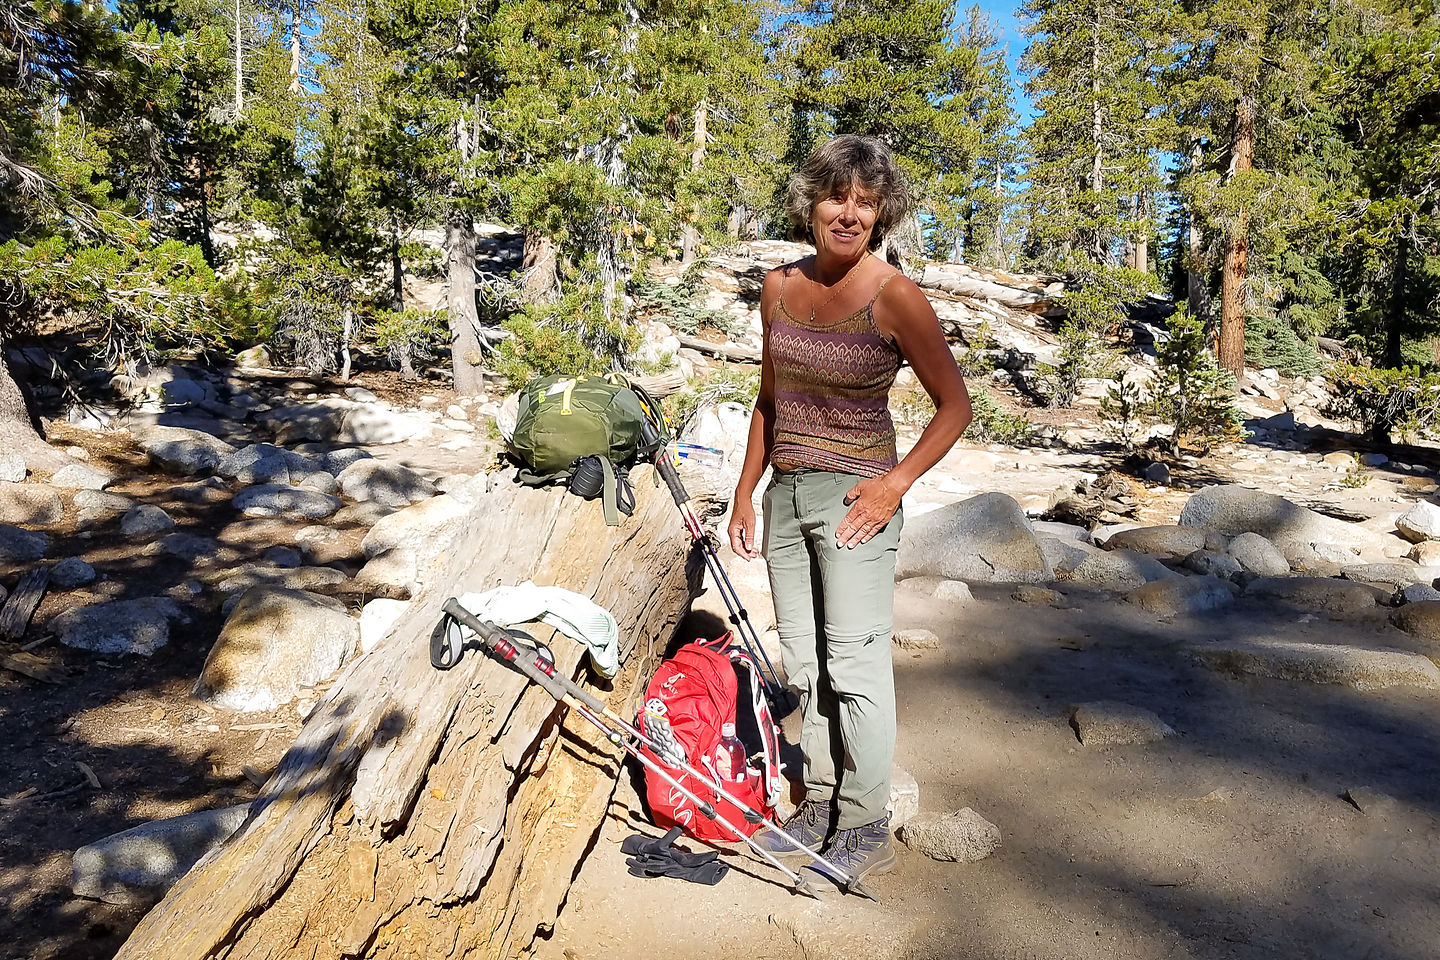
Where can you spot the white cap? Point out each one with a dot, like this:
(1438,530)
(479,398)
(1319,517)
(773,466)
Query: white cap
(727,729)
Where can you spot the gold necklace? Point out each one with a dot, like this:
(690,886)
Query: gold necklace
(835,291)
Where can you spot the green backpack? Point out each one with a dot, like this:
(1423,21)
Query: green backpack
(568,428)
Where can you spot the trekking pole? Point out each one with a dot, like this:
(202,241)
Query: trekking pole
(780,697)
(565,690)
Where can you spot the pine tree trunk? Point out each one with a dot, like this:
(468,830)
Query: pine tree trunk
(465,352)
(438,814)
(691,235)
(1099,242)
(296,17)
(239,63)
(1399,278)
(539,269)
(1230,351)
(732,224)
(1140,258)
(995,246)
(397,272)
(18,433)
(347,333)
(1197,296)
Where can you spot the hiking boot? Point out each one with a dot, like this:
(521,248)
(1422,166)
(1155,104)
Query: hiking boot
(810,824)
(860,851)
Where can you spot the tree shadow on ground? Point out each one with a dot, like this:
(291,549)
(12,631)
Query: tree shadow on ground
(1229,840)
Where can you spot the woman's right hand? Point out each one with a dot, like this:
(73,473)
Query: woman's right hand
(742,529)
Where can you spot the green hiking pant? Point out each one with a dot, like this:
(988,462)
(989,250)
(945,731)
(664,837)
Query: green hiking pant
(835,609)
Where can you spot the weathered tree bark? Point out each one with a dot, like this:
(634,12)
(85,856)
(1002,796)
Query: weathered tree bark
(690,239)
(18,432)
(1099,241)
(397,271)
(1140,253)
(1197,291)
(460,300)
(539,271)
(347,333)
(981,289)
(729,351)
(1399,277)
(1230,350)
(239,62)
(440,814)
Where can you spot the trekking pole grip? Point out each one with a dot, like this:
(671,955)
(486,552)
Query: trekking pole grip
(649,435)
(494,637)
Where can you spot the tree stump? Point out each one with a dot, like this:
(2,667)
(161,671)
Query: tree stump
(442,814)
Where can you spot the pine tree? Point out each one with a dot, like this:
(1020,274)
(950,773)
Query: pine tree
(1093,148)
(912,74)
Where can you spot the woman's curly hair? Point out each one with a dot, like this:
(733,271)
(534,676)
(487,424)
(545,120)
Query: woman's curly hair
(837,165)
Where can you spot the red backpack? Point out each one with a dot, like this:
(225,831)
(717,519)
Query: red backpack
(708,683)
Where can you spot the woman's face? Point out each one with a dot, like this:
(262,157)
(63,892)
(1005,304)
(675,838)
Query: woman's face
(842,222)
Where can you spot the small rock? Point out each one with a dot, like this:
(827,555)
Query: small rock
(284,557)
(1157,473)
(1426,553)
(1374,459)
(79,476)
(22,546)
(209,490)
(95,505)
(1421,522)
(297,578)
(1210,564)
(185,590)
(954,592)
(916,639)
(375,425)
(30,504)
(254,357)
(1337,598)
(188,546)
(141,864)
(1420,485)
(275,643)
(1182,596)
(960,837)
(320,482)
(457,412)
(1064,555)
(1029,593)
(1394,574)
(12,468)
(145,519)
(377,618)
(272,500)
(184,451)
(1419,619)
(1120,570)
(360,395)
(1104,722)
(1359,667)
(1340,460)
(1417,593)
(389,484)
(1167,542)
(71,573)
(1258,555)
(120,626)
(904,798)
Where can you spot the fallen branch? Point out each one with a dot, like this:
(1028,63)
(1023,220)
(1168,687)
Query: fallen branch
(728,351)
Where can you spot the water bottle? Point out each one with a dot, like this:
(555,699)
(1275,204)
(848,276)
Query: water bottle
(730,757)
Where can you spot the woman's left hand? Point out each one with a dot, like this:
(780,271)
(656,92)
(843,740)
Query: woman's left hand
(873,502)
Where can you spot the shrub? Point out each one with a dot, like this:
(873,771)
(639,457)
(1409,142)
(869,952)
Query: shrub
(730,383)
(679,304)
(407,336)
(1385,401)
(571,335)
(993,425)
(1096,307)
(977,357)
(1191,393)
(1125,408)
(1271,342)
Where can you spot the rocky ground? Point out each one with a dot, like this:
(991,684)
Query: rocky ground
(1199,722)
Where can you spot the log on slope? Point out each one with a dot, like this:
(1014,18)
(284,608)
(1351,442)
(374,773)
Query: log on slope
(434,814)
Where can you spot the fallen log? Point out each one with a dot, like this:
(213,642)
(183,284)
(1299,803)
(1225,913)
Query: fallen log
(441,814)
(728,351)
(939,279)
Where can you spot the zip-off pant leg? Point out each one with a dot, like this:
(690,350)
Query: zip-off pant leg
(835,610)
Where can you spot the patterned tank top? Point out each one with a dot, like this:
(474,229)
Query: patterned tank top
(832,391)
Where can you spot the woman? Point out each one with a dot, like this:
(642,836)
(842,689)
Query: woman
(837,327)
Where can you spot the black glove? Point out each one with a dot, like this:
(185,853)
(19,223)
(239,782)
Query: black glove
(651,857)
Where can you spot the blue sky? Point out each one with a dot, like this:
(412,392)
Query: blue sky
(1003,13)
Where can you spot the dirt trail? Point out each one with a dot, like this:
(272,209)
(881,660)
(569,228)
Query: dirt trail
(1231,839)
